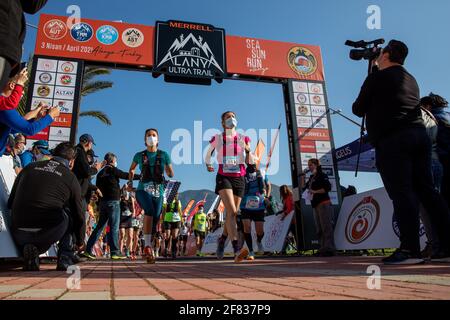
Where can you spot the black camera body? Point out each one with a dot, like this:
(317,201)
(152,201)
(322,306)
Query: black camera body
(365,50)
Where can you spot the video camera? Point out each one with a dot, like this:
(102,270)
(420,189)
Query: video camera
(365,50)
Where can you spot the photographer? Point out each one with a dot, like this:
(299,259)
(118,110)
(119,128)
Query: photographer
(390,101)
(13,31)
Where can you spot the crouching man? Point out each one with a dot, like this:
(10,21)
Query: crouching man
(45,205)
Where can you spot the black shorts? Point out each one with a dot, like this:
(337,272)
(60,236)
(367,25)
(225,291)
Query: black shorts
(200,234)
(126,222)
(237,184)
(257,216)
(172,225)
(184,237)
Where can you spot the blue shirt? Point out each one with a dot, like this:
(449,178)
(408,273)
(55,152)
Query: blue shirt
(253,199)
(12,122)
(26,158)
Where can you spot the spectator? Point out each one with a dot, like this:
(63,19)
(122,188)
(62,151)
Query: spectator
(288,208)
(389,99)
(437,104)
(81,168)
(108,182)
(33,122)
(316,190)
(14,148)
(39,152)
(11,96)
(13,30)
(51,212)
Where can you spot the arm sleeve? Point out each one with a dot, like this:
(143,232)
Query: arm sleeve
(76,210)
(32,6)
(124,175)
(11,102)
(363,101)
(288,205)
(14,120)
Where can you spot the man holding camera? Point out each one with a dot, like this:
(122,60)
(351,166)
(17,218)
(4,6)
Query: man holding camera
(390,101)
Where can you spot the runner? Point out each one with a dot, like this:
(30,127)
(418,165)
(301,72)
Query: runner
(253,208)
(136,227)
(152,163)
(184,233)
(127,214)
(199,227)
(233,150)
(172,224)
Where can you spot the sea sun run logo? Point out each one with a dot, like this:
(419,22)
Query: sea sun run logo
(362,221)
(190,56)
(302,61)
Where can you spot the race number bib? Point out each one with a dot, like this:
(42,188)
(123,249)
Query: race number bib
(153,189)
(231,164)
(176,217)
(252,203)
(126,213)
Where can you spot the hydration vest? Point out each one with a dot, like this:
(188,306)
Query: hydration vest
(148,175)
(259,179)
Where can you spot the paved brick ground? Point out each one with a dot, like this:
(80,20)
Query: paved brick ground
(197,279)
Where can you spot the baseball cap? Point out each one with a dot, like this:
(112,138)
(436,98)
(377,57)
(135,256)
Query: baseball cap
(43,147)
(87,138)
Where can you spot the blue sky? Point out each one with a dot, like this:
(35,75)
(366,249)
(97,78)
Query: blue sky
(138,101)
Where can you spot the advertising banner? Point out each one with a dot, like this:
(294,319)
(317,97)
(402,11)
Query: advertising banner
(366,221)
(95,40)
(56,83)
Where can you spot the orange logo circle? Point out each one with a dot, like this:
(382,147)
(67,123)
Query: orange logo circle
(302,61)
(55,29)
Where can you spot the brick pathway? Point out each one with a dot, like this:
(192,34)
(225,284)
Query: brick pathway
(197,279)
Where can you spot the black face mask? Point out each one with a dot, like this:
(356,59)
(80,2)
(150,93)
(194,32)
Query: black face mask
(251,169)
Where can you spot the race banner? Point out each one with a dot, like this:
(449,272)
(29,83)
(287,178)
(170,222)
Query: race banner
(188,207)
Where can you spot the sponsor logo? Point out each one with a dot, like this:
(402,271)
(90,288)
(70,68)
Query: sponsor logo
(362,221)
(302,61)
(55,29)
(107,35)
(323,146)
(314,134)
(302,110)
(81,32)
(65,79)
(47,65)
(304,122)
(64,93)
(318,111)
(302,98)
(43,91)
(317,100)
(64,120)
(300,87)
(65,106)
(45,77)
(308,147)
(68,67)
(316,88)
(35,103)
(133,37)
(257,56)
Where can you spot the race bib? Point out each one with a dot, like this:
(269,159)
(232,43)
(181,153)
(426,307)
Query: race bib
(231,164)
(152,189)
(252,203)
(126,213)
(176,217)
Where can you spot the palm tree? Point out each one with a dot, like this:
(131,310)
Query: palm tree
(90,85)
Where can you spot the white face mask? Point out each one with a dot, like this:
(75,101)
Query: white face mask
(152,141)
(231,123)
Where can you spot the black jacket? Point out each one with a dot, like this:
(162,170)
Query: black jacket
(13,27)
(83,171)
(108,181)
(390,99)
(40,193)
(317,182)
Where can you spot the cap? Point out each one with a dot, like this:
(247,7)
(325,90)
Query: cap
(87,138)
(43,147)
(44,151)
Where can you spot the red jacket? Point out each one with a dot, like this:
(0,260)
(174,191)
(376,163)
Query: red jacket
(11,102)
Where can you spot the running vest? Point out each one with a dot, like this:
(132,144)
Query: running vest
(200,222)
(148,175)
(231,163)
(251,200)
(173,215)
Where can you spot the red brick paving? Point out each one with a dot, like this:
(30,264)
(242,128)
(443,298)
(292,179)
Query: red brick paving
(297,278)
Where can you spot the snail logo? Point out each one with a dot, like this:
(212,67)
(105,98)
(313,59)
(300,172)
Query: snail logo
(363,221)
(302,61)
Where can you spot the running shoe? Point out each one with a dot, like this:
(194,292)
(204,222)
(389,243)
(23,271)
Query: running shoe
(251,256)
(118,257)
(403,257)
(31,258)
(220,248)
(441,258)
(174,255)
(89,256)
(64,262)
(148,255)
(241,255)
(260,248)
